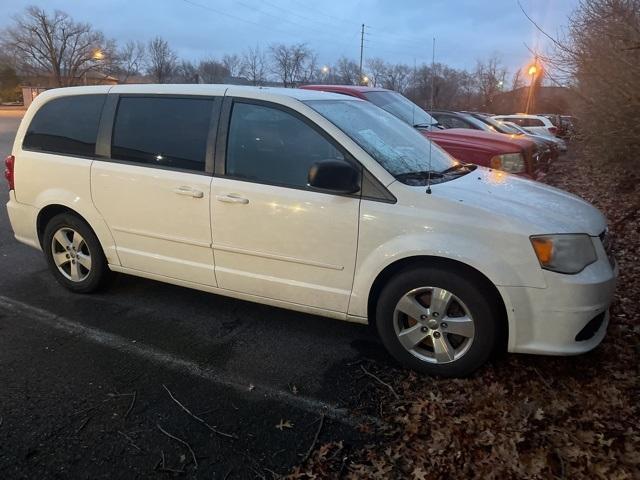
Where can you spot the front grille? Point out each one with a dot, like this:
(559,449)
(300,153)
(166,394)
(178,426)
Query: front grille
(591,328)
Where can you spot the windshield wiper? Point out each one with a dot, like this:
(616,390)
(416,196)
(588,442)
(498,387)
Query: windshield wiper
(426,125)
(420,175)
(462,167)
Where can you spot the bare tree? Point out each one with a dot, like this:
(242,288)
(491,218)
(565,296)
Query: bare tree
(468,98)
(162,61)
(186,72)
(398,78)
(212,71)
(377,69)
(310,71)
(490,74)
(254,65)
(600,61)
(233,63)
(445,81)
(57,46)
(347,72)
(130,60)
(517,81)
(289,62)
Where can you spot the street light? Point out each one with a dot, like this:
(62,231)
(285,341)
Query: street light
(532,71)
(365,80)
(97,54)
(325,69)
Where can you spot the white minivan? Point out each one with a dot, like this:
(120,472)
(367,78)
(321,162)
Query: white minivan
(314,202)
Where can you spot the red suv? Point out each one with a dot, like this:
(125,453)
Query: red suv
(494,150)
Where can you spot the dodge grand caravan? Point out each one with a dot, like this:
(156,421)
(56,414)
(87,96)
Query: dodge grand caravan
(314,202)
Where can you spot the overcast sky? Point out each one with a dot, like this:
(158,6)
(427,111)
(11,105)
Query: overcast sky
(396,30)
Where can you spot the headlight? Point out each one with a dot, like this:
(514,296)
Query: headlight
(564,253)
(509,162)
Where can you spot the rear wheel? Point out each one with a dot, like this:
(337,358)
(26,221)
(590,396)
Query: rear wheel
(437,321)
(74,254)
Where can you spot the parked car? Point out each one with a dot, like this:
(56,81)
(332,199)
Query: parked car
(546,150)
(313,202)
(558,142)
(536,124)
(557,122)
(518,156)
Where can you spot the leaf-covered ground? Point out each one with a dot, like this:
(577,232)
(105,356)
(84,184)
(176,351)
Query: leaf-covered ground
(521,416)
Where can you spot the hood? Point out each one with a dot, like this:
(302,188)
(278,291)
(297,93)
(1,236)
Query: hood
(538,208)
(479,139)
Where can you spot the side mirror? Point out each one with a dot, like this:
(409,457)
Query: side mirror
(334,176)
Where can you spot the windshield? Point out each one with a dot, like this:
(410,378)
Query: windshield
(510,128)
(399,148)
(478,123)
(403,108)
(497,126)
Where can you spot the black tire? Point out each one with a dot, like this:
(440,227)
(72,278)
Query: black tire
(99,272)
(479,303)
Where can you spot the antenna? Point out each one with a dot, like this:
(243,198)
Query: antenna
(433,61)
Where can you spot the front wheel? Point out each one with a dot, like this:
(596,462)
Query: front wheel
(437,321)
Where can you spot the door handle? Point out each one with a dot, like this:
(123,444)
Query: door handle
(232,198)
(188,191)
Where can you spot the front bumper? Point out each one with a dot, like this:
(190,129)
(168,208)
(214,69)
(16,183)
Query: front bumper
(569,316)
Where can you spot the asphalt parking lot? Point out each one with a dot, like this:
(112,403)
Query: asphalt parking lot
(94,386)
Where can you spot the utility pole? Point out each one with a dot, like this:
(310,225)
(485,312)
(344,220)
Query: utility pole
(361,52)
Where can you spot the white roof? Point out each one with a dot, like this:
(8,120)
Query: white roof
(201,89)
(519,115)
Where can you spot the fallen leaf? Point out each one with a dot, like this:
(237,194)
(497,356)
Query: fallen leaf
(284,424)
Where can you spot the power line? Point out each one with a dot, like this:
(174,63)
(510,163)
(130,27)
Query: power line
(307,6)
(281,18)
(323,23)
(256,25)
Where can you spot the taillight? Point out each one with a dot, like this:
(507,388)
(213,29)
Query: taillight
(553,130)
(9,164)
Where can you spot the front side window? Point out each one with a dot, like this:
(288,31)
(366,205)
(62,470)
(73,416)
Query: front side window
(164,132)
(269,145)
(66,125)
(451,121)
(399,148)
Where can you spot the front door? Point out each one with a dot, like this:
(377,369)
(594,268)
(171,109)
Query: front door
(273,236)
(154,191)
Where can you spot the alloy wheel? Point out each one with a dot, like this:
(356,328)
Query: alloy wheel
(434,325)
(71,254)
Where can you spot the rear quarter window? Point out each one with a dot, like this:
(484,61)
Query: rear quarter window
(66,125)
(168,132)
